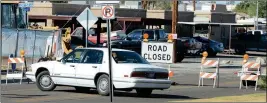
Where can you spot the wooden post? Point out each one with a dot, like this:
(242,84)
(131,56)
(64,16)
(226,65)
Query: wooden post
(174,24)
(194,5)
(174,16)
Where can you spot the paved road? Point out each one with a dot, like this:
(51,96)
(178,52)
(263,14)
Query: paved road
(186,75)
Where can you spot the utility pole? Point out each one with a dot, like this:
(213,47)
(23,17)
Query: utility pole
(194,5)
(174,24)
(144,4)
(174,15)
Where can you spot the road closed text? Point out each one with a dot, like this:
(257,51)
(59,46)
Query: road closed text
(157,52)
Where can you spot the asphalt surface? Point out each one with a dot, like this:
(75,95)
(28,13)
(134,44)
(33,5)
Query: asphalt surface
(185,74)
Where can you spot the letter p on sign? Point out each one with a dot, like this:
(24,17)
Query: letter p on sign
(108,12)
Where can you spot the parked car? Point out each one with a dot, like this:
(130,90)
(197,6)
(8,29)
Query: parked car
(134,40)
(103,36)
(193,46)
(249,42)
(211,46)
(86,68)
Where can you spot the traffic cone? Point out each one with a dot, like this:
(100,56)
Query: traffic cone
(171,74)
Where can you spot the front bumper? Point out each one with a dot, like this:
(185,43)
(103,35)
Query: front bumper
(142,83)
(30,76)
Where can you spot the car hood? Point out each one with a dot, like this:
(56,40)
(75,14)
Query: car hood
(45,64)
(142,67)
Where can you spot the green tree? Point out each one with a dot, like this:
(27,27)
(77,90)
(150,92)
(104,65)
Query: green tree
(249,7)
(164,4)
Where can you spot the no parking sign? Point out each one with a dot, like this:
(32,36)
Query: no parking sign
(108,12)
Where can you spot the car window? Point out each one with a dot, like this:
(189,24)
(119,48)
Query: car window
(121,35)
(150,34)
(128,57)
(135,35)
(93,57)
(74,57)
(162,34)
(257,32)
(264,37)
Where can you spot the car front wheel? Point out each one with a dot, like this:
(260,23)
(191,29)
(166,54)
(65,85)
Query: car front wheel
(144,92)
(44,82)
(103,85)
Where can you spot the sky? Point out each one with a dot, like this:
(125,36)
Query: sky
(224,2)
(220,2)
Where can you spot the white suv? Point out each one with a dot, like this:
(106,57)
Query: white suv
(88,68)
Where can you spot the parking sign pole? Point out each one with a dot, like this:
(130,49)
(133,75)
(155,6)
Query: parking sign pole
(1,52)
(86,31)
(110,61)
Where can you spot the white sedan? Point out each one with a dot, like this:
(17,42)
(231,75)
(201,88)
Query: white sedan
(88,68)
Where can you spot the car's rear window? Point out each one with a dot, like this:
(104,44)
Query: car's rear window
(128,57)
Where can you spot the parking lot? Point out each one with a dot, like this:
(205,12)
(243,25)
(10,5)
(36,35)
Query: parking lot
(185,75)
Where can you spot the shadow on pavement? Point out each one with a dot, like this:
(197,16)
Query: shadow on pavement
(130,94)
(196,85)
(190,62)
(153,95)
(16,81)
(21,96)
(213,57)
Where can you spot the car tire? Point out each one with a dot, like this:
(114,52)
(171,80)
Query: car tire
(82,89)
(180,57)
(103,85)
(144,92)
(240,50)
(44,82)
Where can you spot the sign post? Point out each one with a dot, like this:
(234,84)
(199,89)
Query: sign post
(87,20)
(1,52)
(26,7)
(108,13)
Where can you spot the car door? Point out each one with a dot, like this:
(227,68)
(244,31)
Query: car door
(64,72)
(89,67)
(263,43)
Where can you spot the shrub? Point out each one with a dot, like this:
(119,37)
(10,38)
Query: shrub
(262,82)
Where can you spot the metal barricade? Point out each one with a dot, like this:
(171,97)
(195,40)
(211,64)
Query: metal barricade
(250,71)
(15,75)
(209,75)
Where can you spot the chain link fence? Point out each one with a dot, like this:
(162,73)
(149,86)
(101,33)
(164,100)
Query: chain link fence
(33,42)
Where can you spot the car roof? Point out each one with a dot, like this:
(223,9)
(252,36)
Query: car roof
(106,49)
(148,29)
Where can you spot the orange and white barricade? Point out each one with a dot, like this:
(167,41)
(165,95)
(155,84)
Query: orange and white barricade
(209,75)
(15,75)
(250,71)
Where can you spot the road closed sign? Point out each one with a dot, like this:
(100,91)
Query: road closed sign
(158,52)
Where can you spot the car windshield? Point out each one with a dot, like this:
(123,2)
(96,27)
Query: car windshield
(128,57)
(203,40)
